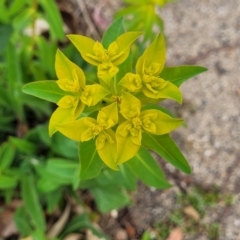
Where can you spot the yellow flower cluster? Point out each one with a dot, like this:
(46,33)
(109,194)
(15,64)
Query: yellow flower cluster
(118,126)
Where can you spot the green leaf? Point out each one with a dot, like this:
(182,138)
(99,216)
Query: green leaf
(52,199)
(79,223)
(46,53)
(21,220)
(3,12)
(47,90)
(49,181)
(7,182)
(107,190)
(7,154)
(5,34)
(17,6)
(64,146)
(109,198)
(42,131)
(125,67)
(23,145)
(157,107)
(23,19)
(38,234)
(167,149)
(8,195)
(14,76)
(64,169)
(31,202)
(6,99)
(145,167)
(129,180)
(90,162)
(39,106)
(113,31)
(54,19)
(76,224)
(178,75)
(47,185)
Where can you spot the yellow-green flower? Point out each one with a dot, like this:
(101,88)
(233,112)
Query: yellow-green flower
(129,133)
(87,128)
(106,59)
(147,79)
(78,94)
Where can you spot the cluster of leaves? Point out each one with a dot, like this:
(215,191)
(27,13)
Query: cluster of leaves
(142,15)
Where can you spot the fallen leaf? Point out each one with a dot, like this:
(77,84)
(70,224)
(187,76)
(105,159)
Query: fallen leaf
(60,224)
(192,213)
(7,225)
(176,234)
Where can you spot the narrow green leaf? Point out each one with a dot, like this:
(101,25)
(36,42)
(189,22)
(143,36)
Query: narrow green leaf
(6,98)
(8,195)
(83,222)
(167,149)
(54,19)
(145,167)
(14,76)
(23,19)
(3,13)
(16,7)
(113,31)
(31,202)
(129,180)
(21,220)
(76,224)
(178,75)
(5,34)
(47,90)
(23,145)
(90,162)
(46,53)
(7,182)
(53,198)
(7,154)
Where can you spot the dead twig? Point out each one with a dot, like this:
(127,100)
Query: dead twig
(88,19)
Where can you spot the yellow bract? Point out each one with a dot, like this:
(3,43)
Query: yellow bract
(129,133)
(87,128)
(148,68)
(106,59)
(72,80)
